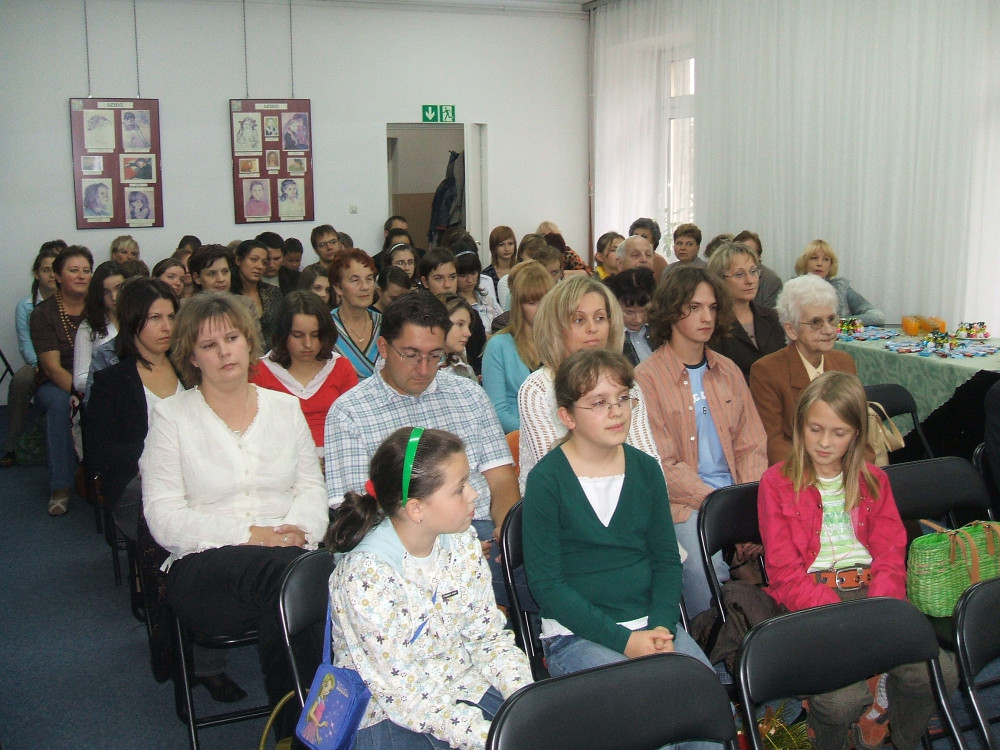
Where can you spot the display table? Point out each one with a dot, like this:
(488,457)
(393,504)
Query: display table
(949,392)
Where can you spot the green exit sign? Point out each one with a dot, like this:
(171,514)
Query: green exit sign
(437,113)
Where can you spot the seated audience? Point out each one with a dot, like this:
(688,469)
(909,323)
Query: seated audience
(391,281)
(346,241)
(124,249)
(317,282)
(503,245)
(533,247)
(394,236)
(707,432)
(832,533)
(211,268)
(580,313)
(264,299)
(277,273)
(510,354)
(23,383)
(303,362)
(461,315)
(606,255)
(819,259)
(755,332)
(471,286)
(54,323)
(650,230)
(611,590)
(635,252)
(437,271)
(403,256)
(171,272)
(100,322)
(634,290)
(807,309)
(687,241)
(571,261)
(230,483)
(437,673)
(715,242)
(188,244)
(770,282)
(352,279)
(408,389)
(291,257)
(326,243)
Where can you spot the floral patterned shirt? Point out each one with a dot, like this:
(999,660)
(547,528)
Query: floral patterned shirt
(424,637)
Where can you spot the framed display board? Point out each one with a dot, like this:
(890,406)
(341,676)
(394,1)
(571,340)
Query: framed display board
(116,162)
(272,160)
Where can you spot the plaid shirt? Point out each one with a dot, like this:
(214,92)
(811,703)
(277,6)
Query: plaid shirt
(362,418)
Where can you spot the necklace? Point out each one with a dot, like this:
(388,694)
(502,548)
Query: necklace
(363,335)
(68,325)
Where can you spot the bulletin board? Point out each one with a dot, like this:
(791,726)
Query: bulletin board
(116,163)
(272,160)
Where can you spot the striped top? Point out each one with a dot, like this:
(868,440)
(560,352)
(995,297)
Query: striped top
(361,358)
(838,546)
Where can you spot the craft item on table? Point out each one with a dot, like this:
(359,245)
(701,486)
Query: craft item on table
(866,333)
(850,326)
(972,331)
(942,345)
(914,325)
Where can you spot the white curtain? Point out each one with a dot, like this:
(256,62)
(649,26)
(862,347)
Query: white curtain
(872,124)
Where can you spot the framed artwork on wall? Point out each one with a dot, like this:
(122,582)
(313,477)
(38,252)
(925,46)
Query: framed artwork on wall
(272,156)
(116,163)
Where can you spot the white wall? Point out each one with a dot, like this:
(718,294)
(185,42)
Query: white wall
(523,75)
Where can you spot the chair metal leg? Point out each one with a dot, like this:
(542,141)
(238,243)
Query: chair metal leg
(185,704)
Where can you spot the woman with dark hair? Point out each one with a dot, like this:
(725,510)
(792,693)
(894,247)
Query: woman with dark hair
(393,237)
(171,272)
(402,256)
(314,280)
(503,245)
(303,362)
(634,290)
(231,487)
(392,281)
(461,315)
(23,383)
(471,287)
(123,395)
(100,321)
(54,323)
(211,268)
(352,278)
(251,262)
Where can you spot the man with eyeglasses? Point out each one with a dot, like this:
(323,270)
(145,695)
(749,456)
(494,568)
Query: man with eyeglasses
(408,390)
(706,429)
(807,309)
(326,242)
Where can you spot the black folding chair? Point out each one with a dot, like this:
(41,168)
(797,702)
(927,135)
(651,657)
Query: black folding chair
(976,645)
(305,596)
(820,649)
(523,614)
(897,401)
(637,704)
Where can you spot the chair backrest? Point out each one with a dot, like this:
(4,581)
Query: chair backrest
(824,648)
(936,487)
(976,644)
(728,516)
(981,461)
(637,704)
(897,400)
(514,443)
(305,596)
(523,615)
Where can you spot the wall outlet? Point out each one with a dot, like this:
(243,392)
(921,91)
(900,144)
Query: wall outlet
(353,209)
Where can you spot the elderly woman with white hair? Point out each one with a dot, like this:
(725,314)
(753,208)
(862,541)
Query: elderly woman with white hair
(807,309)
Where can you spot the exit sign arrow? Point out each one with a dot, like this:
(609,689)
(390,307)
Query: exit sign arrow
(430,112)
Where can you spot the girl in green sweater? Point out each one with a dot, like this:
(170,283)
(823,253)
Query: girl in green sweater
(599,547)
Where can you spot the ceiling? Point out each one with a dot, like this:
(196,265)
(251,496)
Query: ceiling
(555,7)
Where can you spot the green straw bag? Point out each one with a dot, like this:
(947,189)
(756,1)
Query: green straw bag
(942,565)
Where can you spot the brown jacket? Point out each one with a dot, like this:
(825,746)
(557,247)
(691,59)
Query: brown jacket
(776,381)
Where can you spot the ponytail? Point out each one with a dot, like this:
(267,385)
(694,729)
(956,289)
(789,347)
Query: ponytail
(359,514)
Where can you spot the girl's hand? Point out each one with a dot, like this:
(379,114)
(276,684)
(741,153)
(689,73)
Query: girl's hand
(646,642)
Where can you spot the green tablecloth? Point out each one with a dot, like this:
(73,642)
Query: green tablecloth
(932,380)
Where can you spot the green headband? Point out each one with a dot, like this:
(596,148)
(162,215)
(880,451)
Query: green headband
(411,452)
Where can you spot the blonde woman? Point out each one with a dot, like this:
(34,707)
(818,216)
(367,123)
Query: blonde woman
(580,313)
(510,355)
(819,259)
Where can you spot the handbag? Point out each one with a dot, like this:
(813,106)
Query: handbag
(883,435)
(335,706)
(942,565)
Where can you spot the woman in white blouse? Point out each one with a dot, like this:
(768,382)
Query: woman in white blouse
(231,484)
(580,313)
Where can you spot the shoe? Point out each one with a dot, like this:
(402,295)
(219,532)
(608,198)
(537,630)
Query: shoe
(221,687)
(59,503)
(9,459)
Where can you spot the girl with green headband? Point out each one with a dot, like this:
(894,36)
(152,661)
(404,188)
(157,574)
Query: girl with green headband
(412,601)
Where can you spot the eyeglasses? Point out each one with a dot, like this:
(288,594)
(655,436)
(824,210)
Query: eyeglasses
(753,273)
(412,359)
(817,323)
(625,402)
(328,243)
